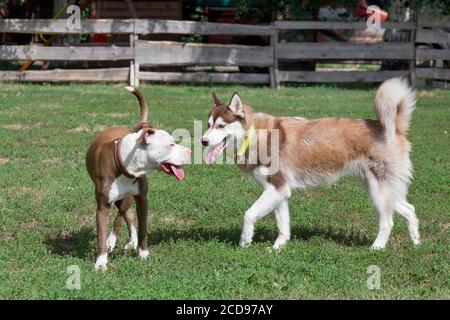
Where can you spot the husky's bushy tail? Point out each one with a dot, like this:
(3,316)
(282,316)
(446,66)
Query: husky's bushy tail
(394,104)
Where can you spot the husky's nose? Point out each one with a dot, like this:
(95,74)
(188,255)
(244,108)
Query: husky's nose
(205,141)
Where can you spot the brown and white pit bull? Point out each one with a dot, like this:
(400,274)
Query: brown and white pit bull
(117,162)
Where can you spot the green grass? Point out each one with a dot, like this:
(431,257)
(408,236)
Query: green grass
(47,205)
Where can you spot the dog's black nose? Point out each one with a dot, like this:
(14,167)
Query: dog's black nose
(205,141)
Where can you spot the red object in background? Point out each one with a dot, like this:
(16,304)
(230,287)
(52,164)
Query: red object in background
(364,10)
(97,37)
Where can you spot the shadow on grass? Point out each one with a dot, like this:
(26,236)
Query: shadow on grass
(232,236)
(77,244)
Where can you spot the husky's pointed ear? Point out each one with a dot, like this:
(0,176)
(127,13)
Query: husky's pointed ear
(217,101)
(236,105)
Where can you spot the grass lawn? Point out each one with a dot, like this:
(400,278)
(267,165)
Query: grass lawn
(47,206)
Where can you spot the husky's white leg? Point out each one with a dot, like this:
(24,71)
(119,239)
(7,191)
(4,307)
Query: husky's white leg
(407,211)
(283,224)
(267,202)
(384,206)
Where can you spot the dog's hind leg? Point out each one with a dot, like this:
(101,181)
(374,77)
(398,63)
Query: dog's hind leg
(124,214)
(112,237)
(384,206)
(407,211)
(283,224)
(129,218)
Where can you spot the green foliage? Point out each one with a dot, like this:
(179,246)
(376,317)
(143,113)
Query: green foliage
(47,205)
(303,10)
(442,6)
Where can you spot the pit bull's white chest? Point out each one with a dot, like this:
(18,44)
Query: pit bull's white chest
(121,188)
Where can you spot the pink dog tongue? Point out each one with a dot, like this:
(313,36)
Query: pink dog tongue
(213,152)
(178,172)
(174,170)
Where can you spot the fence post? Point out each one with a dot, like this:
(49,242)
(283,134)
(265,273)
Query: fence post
(274,82)
(134,67)
(412,63)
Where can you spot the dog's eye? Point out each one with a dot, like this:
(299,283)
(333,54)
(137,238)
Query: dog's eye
(221,126)
(172,145)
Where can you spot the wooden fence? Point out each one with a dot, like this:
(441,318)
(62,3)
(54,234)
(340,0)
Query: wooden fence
(141,53)
(434,46)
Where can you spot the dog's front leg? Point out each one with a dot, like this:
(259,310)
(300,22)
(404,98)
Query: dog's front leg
(102,214)
(142,209)
(267,202)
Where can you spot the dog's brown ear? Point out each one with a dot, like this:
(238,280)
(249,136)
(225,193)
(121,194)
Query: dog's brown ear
(145,135)
(217,101)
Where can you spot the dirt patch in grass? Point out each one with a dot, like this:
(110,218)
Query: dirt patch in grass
(175,221)
(428,94)
(119,115)
(20,126)
(19,189)
(52,161)
(84,128)
(4,160)
(33,224)
(8,235)
(87,219)
(38,195)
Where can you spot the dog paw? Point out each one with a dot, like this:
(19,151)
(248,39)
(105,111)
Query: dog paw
(279,244)
(100,263)
(245,243)
(132,244)
(377,247)
(111,242)
(143,254)
(416,242)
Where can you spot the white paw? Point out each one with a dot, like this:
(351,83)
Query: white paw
(245,243)
(111,241)
(100,263)
(376,246)
(416,242)
(279,244)
(143,254)
(132,244)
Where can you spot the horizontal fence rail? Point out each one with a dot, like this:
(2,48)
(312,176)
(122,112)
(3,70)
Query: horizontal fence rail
(175,53)
(328,51)
(429,42)
(35,52)
(338,25)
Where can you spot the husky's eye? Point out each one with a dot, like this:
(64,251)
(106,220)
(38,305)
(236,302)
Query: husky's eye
(172,145)
(221,126)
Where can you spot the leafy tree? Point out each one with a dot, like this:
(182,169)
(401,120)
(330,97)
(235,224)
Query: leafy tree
(302,10)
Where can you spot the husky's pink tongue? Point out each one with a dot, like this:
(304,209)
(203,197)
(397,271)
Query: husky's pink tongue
(214,152)
(174,170)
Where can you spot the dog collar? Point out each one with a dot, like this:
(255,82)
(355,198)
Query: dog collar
(246,143)
(119,162)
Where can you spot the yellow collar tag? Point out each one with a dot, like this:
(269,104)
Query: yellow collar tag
(246,143)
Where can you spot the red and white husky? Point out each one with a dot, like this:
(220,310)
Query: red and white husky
(314,151)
